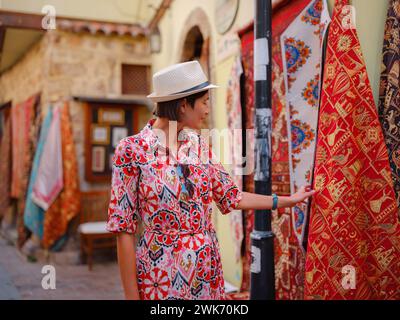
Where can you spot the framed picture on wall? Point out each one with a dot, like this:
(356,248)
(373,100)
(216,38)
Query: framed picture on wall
(118,133)
(100,134)
(98,159)
(112,116)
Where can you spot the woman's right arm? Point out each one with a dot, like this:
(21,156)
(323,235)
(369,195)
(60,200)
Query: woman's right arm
(127,265)
(123,215)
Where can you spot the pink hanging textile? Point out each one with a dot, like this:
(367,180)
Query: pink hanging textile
(21,121)
(49,179)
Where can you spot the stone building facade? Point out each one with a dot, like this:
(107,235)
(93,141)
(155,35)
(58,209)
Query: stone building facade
(62,66)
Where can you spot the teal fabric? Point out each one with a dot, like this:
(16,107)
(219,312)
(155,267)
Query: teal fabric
(33,214)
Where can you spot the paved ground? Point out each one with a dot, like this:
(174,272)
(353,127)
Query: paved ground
(20,279)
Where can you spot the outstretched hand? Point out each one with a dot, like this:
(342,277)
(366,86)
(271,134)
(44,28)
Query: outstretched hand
(302,195)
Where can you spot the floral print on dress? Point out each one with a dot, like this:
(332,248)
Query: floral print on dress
(177,255)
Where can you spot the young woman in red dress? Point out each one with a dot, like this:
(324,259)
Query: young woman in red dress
(162,179)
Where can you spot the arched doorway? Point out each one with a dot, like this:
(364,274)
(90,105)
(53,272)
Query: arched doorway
(194,44)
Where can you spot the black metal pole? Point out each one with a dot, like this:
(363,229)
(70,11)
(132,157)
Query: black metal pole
(262,238)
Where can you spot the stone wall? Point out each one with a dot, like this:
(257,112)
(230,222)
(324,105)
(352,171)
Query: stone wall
(90,65)
(25,78)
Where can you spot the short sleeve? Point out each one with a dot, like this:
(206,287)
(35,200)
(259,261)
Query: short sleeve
(123,209)
(225,192)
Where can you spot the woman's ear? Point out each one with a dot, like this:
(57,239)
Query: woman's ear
(182,106)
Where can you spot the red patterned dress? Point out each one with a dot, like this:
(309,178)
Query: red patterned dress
(177,255)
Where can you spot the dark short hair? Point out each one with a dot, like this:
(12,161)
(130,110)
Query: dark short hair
(170,109)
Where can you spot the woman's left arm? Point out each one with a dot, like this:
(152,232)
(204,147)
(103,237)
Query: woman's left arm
(262,202)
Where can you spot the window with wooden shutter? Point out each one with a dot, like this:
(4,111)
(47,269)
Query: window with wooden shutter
(136,79)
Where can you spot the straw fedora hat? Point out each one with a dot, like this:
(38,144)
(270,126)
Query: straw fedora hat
(178,81)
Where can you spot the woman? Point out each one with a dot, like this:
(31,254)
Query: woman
(158,178)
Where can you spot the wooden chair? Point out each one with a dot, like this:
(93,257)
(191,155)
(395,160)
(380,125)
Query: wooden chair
(92,228)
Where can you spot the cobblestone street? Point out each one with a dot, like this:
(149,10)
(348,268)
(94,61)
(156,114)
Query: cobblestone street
(20,279)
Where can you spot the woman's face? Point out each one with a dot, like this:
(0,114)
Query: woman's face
(195,117)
